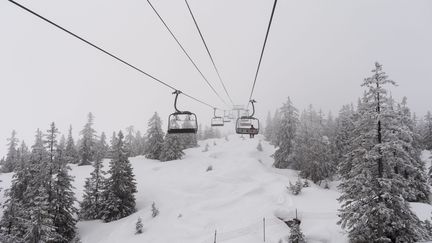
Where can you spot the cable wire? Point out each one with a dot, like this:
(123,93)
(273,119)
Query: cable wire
(262,51)
(185,52)
(108,53)
(208,51)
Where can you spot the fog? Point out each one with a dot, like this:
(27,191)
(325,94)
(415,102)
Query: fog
(318,53)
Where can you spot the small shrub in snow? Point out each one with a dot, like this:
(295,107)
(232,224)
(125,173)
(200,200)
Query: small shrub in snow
(259,147)
(296,188)
(226,138)
(306,183)
(209,168)
(296,235)
(206,148)
(155,211)
(214,143)
(180,215)
(139,226)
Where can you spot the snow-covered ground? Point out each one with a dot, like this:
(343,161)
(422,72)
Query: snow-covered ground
(233,199)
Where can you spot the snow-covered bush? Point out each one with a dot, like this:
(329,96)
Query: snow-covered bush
(209,168)
(296,235)
(139,226)
(296,188)
(155,211)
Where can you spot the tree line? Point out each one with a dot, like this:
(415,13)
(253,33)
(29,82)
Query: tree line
(39,204)
(374,148)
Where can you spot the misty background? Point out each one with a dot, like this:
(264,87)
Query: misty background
(318,53)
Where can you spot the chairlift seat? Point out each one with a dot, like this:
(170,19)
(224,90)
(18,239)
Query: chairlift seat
(182,122)
(244,123)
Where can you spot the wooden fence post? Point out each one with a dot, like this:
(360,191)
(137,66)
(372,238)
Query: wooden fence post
(264,228)
(215,236)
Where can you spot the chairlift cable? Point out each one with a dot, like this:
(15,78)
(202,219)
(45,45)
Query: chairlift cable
(185,52)
(262,51)
(108,53)
(208,52)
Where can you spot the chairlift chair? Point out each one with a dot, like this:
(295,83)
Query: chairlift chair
(217,121)
(248,124)
(181,122)
(226,117)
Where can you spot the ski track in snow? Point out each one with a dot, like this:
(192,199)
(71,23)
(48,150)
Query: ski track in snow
(233,199)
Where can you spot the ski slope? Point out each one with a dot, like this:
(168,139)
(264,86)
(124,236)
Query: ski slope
(232,198)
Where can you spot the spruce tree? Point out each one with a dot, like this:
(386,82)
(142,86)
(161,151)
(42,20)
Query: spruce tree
(155,137)
(130,141)
(268,131)
(101,147)
(411,167)
(312,150)
(285,135)
(373,209)
(139,144)
(120,185)
(12,227)
(50,164)
(296,235)
(172,148)
(12,154)
(93,192)
(427,131)
(71,152)
(63,204)
(343,136)
(87,147)
(38,220)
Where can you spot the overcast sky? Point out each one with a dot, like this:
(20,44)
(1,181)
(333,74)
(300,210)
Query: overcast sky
(318,52)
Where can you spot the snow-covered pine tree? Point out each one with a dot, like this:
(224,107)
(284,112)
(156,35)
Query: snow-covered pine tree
(343,136)
(11,227)
(50,164)
(12,154)
(274,138)
(71,152)
(172,148)
(139,144)
(87,146)
(120,185)
(427,131)
(312,151)
(286,131)
(61,148)
(296,235)
(130,140)
(38,217)
(409,154)
(93,192)
(63,202)
(102,146)
(268,131)
(373,209)
(155,137)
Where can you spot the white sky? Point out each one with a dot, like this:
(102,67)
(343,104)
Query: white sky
(318,53)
